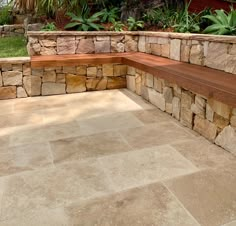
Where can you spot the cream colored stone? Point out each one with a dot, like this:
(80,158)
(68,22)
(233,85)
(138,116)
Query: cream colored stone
(145,93)
(53,89)
(35,86)
(60,78)
(205,128)
(220,108)
(8,92)
(196,55)
(6,67)
(131,83)
(120,70)
(176,107)
(69,70)
(227,139)
(107,70)
(165,50)
(168,94)
(157,99)
(131,43)
(117,44)
(209,113)
(233,121)
(138,83)
(37,72)
(91,71)
(17,67)
(66,45)
(21,93)
(220,122)
(185,53)
(149,80)
(131,70)
(12,78)
(102,46)
(48,51)
(1,83)
(175,45)
(26,70)
(158,85)
(75,83)
(156,49)
(142,44)
(116,83)
(48,42)
(81,70)
(49,76)
(169,108)
(86,46)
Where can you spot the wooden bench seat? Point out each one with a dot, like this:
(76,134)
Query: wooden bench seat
(209,82)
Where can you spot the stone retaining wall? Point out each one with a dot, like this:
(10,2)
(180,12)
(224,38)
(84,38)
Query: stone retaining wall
(212,119)
(218,52)
(12,30)
(17,80)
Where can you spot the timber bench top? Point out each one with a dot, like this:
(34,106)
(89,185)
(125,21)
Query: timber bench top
(208,82)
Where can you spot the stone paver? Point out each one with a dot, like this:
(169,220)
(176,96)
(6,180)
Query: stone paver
(108,158)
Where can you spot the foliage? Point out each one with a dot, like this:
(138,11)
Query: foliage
(134,25)
(5,17)
(223,23)
(84,22)
(109,15)
(117,26)
(13,47)
(49,27)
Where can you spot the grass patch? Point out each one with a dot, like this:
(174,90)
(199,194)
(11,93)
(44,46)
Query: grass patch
(13,47)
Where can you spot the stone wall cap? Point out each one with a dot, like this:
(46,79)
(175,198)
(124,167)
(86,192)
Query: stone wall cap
(186,36)
(14,60)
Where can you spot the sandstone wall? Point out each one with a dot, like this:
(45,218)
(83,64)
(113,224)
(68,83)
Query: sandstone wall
(18,80)
(12,30)
(218,52)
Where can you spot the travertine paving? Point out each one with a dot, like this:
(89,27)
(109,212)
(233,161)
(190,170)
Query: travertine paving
(108,158)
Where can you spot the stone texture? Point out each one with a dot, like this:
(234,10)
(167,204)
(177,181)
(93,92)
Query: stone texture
(117,44)
(21,93)
(91,71)
(81,70)
(12,78)
(49,76)
(185,53)
(205,128)
(131,43)
(220,108)
(66,45)
(227,139)
(48,51)
(131,83)
(53,89)
(96,83)
(199,107)
(102,47)
(17,67)
(175,47)
(156,49)
(35,86)
(233,121)
(37,72)
(131,70)
(86,46)
(75,83)
(158,85)
(149,80)
(116,83)
(209,113)
(176,107)
(157,99)
(1,84)
(168,94)
(165,50)
(60,78)
(142,44)
(26,70)
(120,70)
(70,70)
(107,70)
(8,92)
(220,122)
(196,55)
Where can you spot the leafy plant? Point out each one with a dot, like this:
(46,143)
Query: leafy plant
(109,15)
(117,26)
(5,17)
(223,23)
(49,27)
(134,25)
(84,22)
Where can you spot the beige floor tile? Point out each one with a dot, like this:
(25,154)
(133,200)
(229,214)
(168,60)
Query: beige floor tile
(204,154)
(110,122)
(155,134)
(152,116)
(4,141)
(52,188)
(44,217)
(6,107)
(45,133)
(150,205)
(89,146)
(24,158)
(209,195)
(140,167)
(233,223)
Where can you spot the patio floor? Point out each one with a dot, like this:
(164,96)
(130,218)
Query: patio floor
(108,158)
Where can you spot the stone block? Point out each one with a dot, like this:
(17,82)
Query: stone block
(138,83)
(157,99)
(48,51)
(142,44)
(66,45)
(21,93)
(175,45)
(17,67)
(131,70)
(220,108)
(117,44)
(149,80)
(220,122)
(209,113)
(185,53)
(197,55)
(186,117)
(116,83)
(37,72)
(49,42)
(131,43)
(103,38)
(233,121)
(156,49)
(176,108)
(96,83)
(131,83)
(49,76)
(1,84)
(169,108)
(8,92)
(163,41)
(53,88)
(227,139)
(12,78)
(168,94)
(187,99)
(145,92)
(35,85)
(102,84)
(75,83)
(165,50)
(86,46)
(26,69)
(107,70)
(199,107)
(120,70)
(91,71)
(60,78)
(69,70)
(6,67)
(205,128)
(158,85)
(81,70)
(102,47)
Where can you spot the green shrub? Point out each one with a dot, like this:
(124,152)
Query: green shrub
(117,26)
(134,25)
(5,17)
(109,15)
(223,23)
(49,27)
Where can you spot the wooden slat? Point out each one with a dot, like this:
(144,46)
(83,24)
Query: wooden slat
(202,80)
